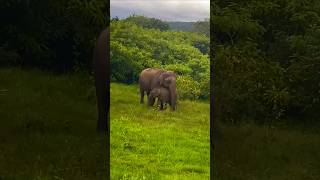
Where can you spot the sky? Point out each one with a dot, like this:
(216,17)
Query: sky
(167,10)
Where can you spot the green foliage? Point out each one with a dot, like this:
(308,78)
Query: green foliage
(55,35)
(266,62)
(180,26)
(134,48)
(202,27)
(188,88)
(149,23)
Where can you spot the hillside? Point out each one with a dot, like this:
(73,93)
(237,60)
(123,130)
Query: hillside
(181,26)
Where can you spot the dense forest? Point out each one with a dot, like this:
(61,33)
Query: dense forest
(183,26)
(51,35)
(266,60)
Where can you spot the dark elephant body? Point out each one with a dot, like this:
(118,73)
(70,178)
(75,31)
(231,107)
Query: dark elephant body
(101,63)
(155,78)
(163,96)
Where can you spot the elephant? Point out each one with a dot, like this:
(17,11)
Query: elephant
(163,96)
(154,78)
(101,68)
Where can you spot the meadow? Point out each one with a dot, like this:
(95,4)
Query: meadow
(48,131)
(150,144)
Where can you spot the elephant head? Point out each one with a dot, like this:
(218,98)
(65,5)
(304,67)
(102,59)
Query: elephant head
(168,80)
(154,93)
(101,73)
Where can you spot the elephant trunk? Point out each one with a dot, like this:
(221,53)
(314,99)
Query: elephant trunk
(173,97)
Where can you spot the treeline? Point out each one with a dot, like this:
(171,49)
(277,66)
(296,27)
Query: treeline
(267,64)
(55,35)
(136,45)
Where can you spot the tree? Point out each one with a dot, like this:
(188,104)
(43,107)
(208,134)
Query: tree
(149,23)
(202,27)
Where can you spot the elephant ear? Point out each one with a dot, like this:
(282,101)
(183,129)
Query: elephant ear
(171,73)
(167,81)
(160,79)
(166,77)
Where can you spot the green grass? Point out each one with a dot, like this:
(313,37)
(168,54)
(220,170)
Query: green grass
(248,151)
(48,132)
(151,144)
(48,127)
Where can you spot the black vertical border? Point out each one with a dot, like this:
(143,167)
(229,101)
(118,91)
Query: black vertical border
(108,102)
(108,18)
(212,59)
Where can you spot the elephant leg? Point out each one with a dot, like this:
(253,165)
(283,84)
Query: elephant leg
(101,71)
(173,104)
(102,99)
(141,96)
(148,94)
(161,105)
(151,100)
(158,102)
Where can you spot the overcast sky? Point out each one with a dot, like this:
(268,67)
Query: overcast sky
(168,10)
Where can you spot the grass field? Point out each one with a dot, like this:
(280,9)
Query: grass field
(48,125)
(48,132)
(249,152)
(151,144)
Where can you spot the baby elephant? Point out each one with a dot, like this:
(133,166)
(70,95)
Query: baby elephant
(163,96)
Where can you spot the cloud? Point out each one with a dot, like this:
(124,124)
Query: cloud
(169,10)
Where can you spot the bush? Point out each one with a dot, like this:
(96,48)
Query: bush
(188,88)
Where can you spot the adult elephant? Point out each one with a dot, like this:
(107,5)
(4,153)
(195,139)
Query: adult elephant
(155,78)
(101,65)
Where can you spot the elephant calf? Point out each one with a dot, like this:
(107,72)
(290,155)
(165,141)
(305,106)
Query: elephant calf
(163,96)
